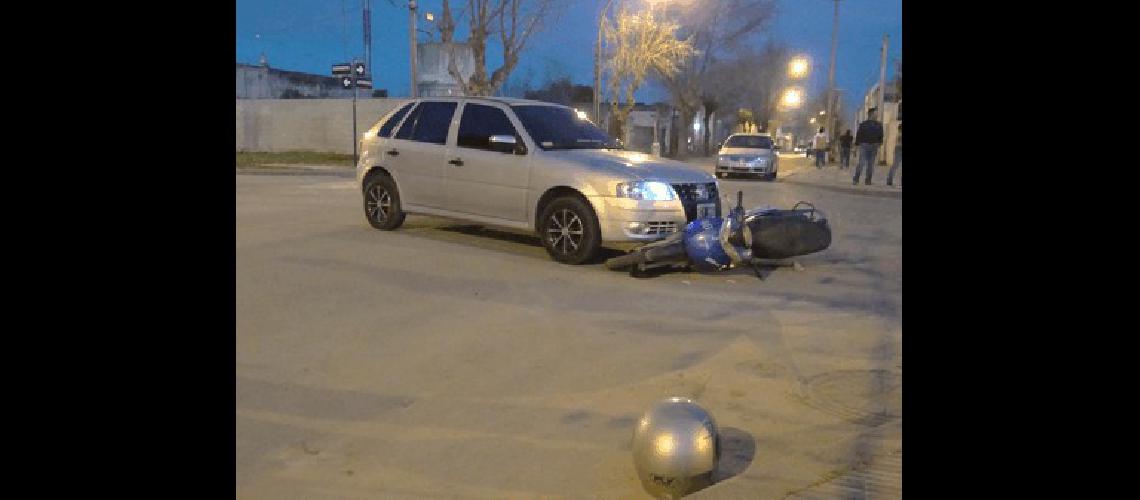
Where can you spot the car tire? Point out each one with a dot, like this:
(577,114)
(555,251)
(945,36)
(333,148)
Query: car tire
(559,222)
(772,177)
(382,203)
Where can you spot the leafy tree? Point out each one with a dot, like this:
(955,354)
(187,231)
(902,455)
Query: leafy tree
(637,44)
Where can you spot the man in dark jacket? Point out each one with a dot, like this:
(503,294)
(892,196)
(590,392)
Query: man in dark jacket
(868,137)
(845,150)
(897,164)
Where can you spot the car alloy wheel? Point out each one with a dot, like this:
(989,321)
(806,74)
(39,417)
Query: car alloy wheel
(569,230)
(382,203)
(379,204)
(565,232)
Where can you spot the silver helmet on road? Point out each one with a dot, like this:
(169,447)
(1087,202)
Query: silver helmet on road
(675,448)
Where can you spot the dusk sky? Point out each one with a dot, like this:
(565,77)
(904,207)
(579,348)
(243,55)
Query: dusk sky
(311,35)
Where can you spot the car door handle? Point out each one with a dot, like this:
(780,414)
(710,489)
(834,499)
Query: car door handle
(457,162)
(393,152)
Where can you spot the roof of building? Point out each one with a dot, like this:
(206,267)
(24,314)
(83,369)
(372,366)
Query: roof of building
(296,76)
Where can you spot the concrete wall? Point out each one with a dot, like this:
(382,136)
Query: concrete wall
(323,125)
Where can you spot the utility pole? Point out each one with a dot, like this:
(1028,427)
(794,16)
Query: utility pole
(831,121)
(598,67)
(368,33)
(883,97)
(412,43)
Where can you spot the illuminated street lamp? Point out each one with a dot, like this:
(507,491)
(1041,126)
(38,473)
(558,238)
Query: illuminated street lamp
(822,113)
(798,67)
(792,98)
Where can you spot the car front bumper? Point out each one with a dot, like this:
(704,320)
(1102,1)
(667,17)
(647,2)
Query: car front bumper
(742,168)
(626,220)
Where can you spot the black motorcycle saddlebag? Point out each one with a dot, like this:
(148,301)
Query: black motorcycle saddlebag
(779,234)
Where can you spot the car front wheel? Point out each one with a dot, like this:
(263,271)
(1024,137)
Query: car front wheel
(569,230)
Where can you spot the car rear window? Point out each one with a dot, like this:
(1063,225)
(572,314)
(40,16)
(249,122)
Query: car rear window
(433,122)
(749,141)
(386,128)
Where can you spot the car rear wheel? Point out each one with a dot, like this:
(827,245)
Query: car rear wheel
(569,230)
(382,203)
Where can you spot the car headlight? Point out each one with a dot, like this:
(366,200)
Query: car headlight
(646,190)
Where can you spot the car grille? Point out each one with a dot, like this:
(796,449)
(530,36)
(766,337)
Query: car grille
(693,194)
(696,192)
(661,228)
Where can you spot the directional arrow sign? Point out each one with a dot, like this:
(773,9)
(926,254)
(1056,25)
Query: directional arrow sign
(342,69)
(359,69)
(346,82)
(363,83)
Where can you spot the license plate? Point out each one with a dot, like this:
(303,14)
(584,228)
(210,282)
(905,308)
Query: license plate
(706,210)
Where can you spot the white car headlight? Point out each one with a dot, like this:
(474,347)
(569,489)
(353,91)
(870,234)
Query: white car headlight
(646,190)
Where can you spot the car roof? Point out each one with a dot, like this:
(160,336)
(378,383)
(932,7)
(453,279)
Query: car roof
(510,101)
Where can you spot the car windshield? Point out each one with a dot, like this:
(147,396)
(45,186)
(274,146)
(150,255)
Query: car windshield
(556,127)
(749,141)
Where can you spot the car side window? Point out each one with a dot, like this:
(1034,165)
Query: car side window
(409,125)
(433,122)
(386,129)
(479,123)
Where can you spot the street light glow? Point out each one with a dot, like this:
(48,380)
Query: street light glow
(430,16)
(792,98)
(798,67)
(823,112)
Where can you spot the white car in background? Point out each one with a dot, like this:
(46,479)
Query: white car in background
(749,154)
(529,165)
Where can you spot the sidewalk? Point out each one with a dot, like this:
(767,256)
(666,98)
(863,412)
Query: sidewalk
(798,169)
(297,169)
(802,169)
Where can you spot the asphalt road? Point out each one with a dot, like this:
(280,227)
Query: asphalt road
(445,359)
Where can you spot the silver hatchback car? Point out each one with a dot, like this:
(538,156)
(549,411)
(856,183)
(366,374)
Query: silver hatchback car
(752,154)
(528,165)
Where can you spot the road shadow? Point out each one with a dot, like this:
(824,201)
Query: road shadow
(517,237)
(492,233)
(737,450)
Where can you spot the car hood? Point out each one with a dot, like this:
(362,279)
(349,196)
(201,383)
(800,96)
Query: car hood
(745,151)
(632,163)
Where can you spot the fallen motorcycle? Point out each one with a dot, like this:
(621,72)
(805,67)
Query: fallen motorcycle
(738,239)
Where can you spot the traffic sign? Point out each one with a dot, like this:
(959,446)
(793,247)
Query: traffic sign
(346,82)
(342,69)
(364,83)
(359,69)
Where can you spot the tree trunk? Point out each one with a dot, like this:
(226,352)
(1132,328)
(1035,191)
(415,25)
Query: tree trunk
(708,132)
(684,131)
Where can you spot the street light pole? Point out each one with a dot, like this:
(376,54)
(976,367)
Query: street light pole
(412,43)
(598,66)
(831,121)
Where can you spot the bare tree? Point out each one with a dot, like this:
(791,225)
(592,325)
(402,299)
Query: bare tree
(715,28)
(637,44)
(515,21)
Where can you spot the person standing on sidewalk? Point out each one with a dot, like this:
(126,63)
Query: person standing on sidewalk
(897,163)
(868,137)
(819,144)
(845,150)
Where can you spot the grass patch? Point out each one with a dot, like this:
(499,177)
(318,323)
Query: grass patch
(264,159)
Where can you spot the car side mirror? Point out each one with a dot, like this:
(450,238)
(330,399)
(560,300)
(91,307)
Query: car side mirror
(506,144)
